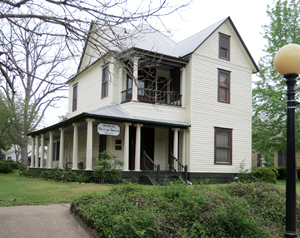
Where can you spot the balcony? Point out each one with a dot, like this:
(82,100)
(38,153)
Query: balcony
(153,96)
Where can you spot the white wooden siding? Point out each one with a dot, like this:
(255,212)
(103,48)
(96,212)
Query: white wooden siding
(207,113)
(161,145)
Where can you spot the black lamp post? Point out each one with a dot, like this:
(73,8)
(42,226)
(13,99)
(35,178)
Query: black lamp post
(287,63)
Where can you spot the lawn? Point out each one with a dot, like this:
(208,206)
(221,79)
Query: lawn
(281,184)
(17,190)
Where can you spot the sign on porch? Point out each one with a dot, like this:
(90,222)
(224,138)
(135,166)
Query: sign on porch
(108,129)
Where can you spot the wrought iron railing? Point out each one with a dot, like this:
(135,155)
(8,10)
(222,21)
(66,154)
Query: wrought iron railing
(153,96)
(126,95)
(151,168)
(176,166)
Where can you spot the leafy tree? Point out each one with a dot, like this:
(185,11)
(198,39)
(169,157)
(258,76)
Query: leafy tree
(5,127)
(269,94)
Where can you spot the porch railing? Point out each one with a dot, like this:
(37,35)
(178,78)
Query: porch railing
(153,96)
(176,166)
(126,95)
(148,161)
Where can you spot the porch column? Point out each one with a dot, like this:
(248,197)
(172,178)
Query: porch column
(175,146)
(32,152)
(135,79)
(61,148)
(75,146)
(89,144)
(184,147)
(36,152)
(138,147)
(126,147)
(50,151)
(42,151)
(182,70)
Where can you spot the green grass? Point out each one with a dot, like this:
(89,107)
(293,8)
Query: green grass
(17,190)
(282,183)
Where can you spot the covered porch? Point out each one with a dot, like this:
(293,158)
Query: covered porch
(76,143)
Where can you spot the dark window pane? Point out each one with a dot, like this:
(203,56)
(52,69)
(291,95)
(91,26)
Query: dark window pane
(222,139)
(223,53)
(223,80)
(224,42)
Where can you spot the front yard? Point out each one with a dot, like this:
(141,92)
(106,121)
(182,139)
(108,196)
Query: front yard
(19,190)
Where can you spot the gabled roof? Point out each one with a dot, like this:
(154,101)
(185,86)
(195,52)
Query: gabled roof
(148,39)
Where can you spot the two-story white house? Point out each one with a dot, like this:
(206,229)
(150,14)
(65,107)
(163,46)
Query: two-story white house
(193,104)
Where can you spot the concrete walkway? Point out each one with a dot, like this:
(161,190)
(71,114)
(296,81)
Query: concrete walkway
(53,221)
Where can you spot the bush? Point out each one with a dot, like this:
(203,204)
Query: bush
(264,174)
(281,173)
(6,167)
(169,211)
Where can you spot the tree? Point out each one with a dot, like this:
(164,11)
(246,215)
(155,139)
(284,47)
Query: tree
(41,62)
(5,140)
(72,19)
(269,94)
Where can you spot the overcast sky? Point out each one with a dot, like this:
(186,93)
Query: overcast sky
(248,17)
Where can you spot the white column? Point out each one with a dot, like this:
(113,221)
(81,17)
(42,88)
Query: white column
(175,145)
(184,147)
(75,146)
(32,152)
(126,147)
(36,152)
(61,148)
(135,79)
(42,151)
(138,147)
(50,151)
(120,83)
(182,80)
(89,144)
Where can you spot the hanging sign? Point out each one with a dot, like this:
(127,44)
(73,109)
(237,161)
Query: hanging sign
(108,129)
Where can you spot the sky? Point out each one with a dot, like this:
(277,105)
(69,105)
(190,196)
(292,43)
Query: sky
(247,16)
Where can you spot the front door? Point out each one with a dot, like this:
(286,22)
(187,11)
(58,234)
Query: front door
(147,145)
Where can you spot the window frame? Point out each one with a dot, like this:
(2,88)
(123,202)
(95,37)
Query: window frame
(118,144)
(104,81)
(230,146)
(224,48)
(74,97)
(228,73)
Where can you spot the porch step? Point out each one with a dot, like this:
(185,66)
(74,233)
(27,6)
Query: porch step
(165,178)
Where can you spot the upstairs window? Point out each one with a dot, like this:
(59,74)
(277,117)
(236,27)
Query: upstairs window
(224,86)
(74,103)
(224,47)
(223,146)
(105,76)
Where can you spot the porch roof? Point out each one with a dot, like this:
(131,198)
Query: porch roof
(111,113)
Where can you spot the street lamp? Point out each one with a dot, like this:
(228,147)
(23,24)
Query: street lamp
(287,63)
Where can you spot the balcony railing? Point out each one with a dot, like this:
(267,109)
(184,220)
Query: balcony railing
(153,96)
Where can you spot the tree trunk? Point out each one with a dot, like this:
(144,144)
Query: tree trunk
(24,155)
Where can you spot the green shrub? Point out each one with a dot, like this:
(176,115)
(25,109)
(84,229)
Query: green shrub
(6,167)
(264,174)
(169,211)
(281,173)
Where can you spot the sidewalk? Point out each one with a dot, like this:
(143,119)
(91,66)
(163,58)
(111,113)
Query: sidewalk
(53,221)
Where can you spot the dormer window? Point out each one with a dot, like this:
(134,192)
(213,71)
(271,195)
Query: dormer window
(224,46)
(105,75)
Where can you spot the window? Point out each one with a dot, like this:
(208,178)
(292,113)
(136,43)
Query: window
(224,47)
(223,146)
(74,104)
(105,75)
(102,143)
(118,145)
(224,86)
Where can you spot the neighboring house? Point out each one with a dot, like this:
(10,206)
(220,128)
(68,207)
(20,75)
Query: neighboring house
(10,154)
(280,159)
(194,105)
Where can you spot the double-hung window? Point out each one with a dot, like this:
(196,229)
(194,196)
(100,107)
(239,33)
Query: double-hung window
(224,46)
(105,76)
(223,142)
(224,86)
(75,93)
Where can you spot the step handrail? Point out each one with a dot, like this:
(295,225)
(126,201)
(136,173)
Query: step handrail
(180,170)
(145,167)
